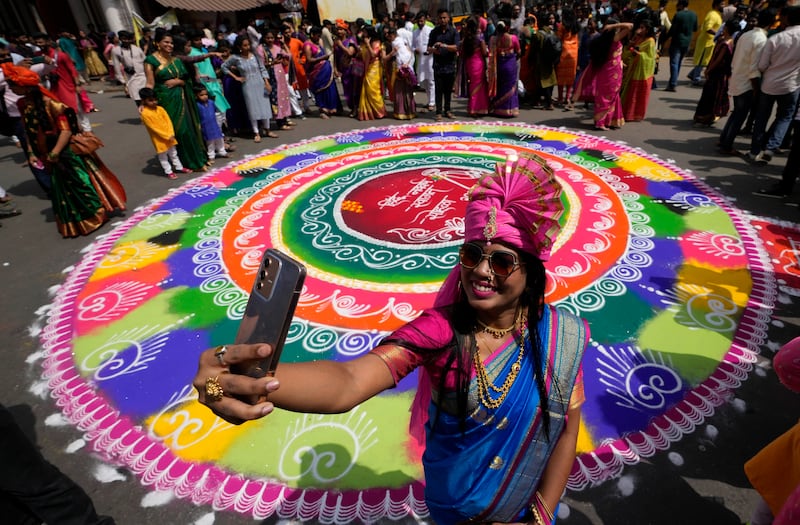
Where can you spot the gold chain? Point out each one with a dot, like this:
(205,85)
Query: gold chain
(484,383)
(497,333)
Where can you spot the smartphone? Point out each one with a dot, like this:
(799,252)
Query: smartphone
(37,60)
(270,310)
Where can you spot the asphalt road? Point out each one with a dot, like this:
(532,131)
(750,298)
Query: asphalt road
(699,480)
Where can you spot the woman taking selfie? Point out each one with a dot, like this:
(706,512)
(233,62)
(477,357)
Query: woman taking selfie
(498,405)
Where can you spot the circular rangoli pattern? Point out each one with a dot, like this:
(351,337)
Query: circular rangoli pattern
(672,280)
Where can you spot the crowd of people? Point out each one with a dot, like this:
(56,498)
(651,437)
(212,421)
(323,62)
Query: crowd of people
(261,79)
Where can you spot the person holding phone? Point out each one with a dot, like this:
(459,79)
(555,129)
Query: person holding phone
(498,405)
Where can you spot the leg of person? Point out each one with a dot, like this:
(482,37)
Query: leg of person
(430,89)
(448,81)
(548,97)
(792,169)
(83,121)
(674,67)
(172,153)
(267,131)
(164,161)
(741,108)
(787,106)
(211,151)
(36,484)
(219,147)
(254,129)
(763,112)
(439,82)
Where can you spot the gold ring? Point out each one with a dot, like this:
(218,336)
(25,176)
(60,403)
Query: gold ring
(219,353)
(214,390)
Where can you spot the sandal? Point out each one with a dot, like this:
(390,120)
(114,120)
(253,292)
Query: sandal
(271,135)
(257,138)
(172,176)
(285,127)
(438,118)
(324,116)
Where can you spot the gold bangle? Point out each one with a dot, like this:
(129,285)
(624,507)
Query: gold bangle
(547,510)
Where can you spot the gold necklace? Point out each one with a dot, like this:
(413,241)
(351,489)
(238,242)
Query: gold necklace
(497,333)
(484,383)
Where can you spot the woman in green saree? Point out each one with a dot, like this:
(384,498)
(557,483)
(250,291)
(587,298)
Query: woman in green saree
(172,83)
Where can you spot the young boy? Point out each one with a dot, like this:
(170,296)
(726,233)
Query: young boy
(212,134)
(159,126)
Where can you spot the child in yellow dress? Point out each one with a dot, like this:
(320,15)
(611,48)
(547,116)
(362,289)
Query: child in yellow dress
(162,133)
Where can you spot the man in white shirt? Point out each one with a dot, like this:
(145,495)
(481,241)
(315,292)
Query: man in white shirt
(780,84)
(424,59)
(743,84)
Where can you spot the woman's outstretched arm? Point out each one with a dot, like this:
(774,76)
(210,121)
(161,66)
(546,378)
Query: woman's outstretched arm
(318,386)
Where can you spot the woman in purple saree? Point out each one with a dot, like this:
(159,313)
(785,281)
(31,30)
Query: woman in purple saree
(320,75)
(503,73)
(499,387)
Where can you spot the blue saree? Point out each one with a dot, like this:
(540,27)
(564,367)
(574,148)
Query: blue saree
(491,470)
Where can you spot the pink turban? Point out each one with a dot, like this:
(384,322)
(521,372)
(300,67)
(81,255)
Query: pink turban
(787,364)
(519,204)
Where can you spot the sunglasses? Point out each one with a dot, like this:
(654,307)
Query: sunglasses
(501,263)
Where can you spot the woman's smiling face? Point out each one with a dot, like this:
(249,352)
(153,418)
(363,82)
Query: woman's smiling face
(492,295)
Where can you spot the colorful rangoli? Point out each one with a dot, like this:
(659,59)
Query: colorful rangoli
(673,281)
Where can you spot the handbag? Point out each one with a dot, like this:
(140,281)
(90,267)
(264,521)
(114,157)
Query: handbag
(84,143)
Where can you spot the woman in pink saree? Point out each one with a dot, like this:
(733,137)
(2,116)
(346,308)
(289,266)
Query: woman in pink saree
(602,80)
(498,405)
(473,84)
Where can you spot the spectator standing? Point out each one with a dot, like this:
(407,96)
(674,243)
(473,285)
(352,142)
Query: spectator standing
(424,59)
(212,134)
(779,64)
(714,102)
(168,77)
(244,66)
(69,45)
(792,169)
(68,87)
(745,82)
(473,56)
(370,103)
(548,53)
(111,44)
(639,58)
(10,100)
(601,81)
(159,126)
(704,46)
(403,107)
(567,69)
(295,46)
(443,45)
(684,24)
(128,61)
(95,68)
(503,76)
(278,56)
(345,53)
(206,74)
(319,71)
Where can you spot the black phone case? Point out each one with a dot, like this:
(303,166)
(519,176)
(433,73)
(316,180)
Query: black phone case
(270,309)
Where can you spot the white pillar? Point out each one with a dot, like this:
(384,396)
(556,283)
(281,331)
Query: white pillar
(117,14)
